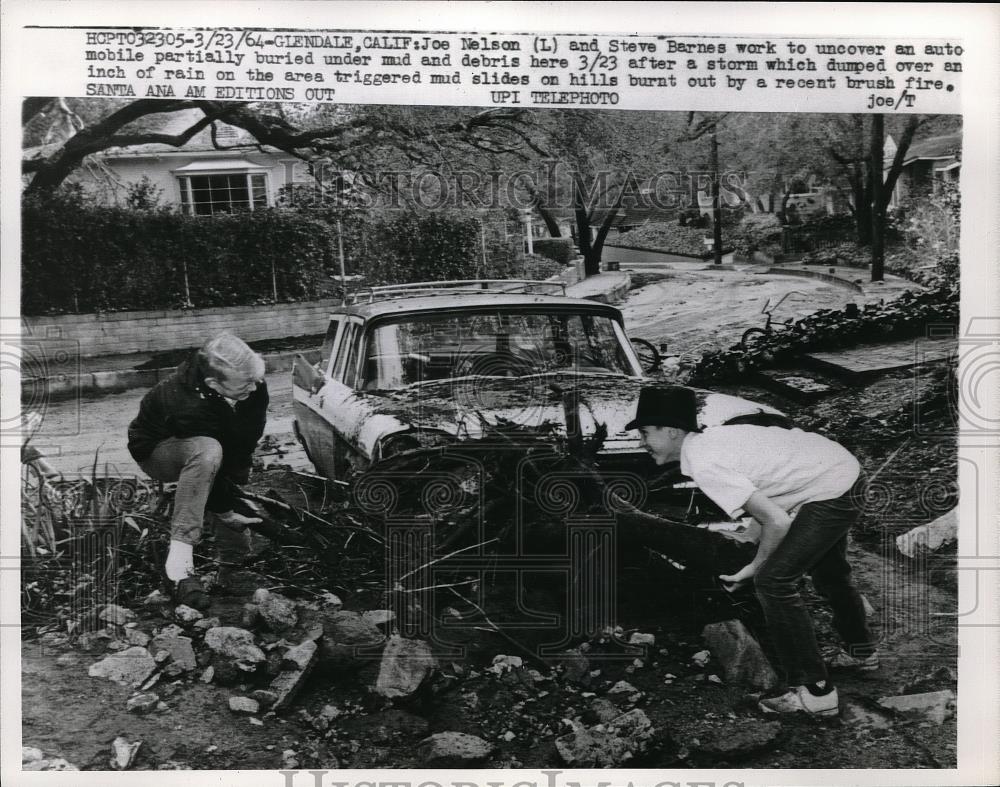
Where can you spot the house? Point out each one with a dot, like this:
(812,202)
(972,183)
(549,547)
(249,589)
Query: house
(928,163)
(200,178)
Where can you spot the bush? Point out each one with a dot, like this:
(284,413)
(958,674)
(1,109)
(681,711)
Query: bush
(756,232)
(562,250)
(667,237)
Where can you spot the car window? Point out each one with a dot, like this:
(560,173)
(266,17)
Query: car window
(327,355)
(348,352)
(442,345)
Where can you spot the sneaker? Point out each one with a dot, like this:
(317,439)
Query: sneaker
(842,660)
(800,700)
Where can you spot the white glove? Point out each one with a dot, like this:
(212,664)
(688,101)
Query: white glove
(180,561)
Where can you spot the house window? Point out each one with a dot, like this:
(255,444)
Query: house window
(206,195)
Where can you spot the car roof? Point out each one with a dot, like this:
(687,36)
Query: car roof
(459,301)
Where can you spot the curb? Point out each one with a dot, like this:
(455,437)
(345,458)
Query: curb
(808,274)
(69,386)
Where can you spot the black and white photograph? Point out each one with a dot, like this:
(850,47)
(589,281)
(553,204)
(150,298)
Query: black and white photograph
(542,435)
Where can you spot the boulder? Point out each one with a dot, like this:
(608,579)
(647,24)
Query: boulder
(930,537)
(645,640)
(378,617)
(129,667)
(187,614)
(288,682)
(137,637)
(406,664)
(243,705)
(123,753)
(733,741)
(142,703)
(575,667)
(207,623)
(235,644)
(453,749)
(180,650)
(277,612)
(933,706)
(741,657)
(348,639)
(116,616)
(609,745)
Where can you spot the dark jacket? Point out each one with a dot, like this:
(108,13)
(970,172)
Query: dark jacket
(183,406)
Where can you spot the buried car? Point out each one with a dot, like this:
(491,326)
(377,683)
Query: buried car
(437,364)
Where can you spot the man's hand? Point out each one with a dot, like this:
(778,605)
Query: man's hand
(742,577)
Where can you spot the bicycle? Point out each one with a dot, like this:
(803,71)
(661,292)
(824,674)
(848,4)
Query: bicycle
(754,338)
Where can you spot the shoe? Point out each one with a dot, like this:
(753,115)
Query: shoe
(800,700)
(191,593)
(235,521)
(840,659)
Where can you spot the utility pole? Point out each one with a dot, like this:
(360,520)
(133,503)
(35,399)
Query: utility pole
(716,202)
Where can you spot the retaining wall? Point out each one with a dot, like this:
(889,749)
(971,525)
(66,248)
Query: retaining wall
(124,333)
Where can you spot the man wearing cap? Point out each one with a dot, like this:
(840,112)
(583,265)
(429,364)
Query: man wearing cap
(804,490)
(199,427)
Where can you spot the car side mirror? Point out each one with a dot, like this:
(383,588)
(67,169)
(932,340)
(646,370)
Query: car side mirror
(305,375)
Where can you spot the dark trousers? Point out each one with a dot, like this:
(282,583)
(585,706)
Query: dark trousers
(816,544)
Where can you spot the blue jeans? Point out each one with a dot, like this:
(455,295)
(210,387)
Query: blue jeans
(816,543)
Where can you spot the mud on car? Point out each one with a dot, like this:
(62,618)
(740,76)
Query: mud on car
(443,365)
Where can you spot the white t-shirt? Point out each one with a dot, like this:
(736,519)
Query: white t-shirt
(789,466)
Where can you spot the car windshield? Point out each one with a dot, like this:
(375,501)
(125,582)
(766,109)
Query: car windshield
(442,346)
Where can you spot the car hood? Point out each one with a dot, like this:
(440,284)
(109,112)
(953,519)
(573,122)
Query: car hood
(469,408)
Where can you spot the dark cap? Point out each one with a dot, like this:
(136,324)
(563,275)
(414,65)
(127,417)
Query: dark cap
(672,405)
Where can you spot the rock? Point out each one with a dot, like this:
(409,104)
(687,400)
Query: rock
(288,682)
(187,614)
(603,711)
(290,759)
(741,657)
(129,667)
(54,764)
(226,673)
(930,537)
(137,637)
(123,753)
(207,623)
(265,697)
(277,612)
(68,659)
(31,754)
(378,617)
(116,616)
(624,687)
(161,656)
(502,664)
(53,639)
(347,639)
(208,674)
(857,715)
(869,609)
(624,738)
(638,638)
(235,644)
(406,664)
(117,644)
(250,616)
(331,600)
(155,599)
(142,703)
(701,658)
(243,705)
(453,749)
(92,641)
(576,667)
(933,706)
(301,656)
(733,741)
(172,630)
(180,650)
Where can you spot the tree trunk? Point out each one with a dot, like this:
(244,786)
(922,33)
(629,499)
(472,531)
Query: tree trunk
(878,203)
(716,204)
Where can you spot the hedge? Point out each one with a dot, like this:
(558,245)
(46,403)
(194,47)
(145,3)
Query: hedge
(562,250)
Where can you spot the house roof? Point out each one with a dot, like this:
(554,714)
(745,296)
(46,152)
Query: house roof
(176,123)
(946,146)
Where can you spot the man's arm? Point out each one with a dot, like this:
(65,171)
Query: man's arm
(774,524)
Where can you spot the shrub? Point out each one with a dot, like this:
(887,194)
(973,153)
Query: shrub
(667,237)
(562,250)
(756,232)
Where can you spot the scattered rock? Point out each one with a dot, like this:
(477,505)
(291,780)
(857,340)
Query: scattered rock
(92,641)
(453,749)
(576,667)
(180,650)
(290,759)
(208,674)
(502,664)
(116,616)
(741,657)
(646,640)
(265,697)
(187,614)
(933,706)
(733,741)
(277,612)
(406,664)
(378,617)
(509,736)
(236,644)
(701,658)
(626,688)
(142,703)
(603,711)
(171,630)
(117,644)
(301,656)
(137,637)
(287,684)
(31,754)
(207,623)
(347,639)
(129,667)
(155,599)
(42,763)
(331,600)
(161,656)
(53,639)
(123,753)
(930,537)
(243,705)
(621,741)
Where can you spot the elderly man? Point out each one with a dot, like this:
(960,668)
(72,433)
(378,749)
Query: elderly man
(804,491)
(199,428)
